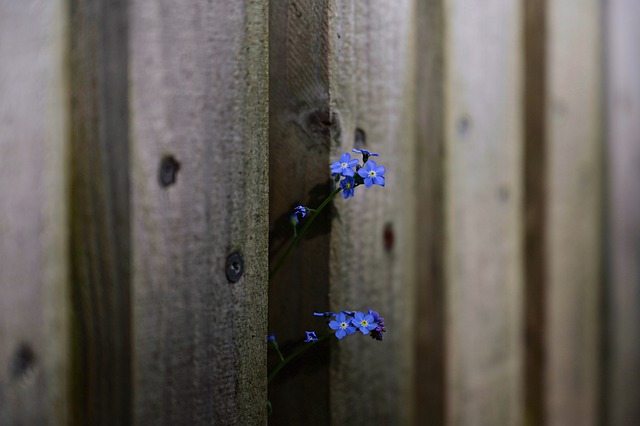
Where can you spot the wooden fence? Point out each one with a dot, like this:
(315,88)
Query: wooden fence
(152,150)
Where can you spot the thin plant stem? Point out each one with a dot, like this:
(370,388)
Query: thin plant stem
(294,243)
(301,350)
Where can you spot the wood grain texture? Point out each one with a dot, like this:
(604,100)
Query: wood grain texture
(484,213)
(99,214)
(199,107)
(574,218)
(302,129)
(622,391)
(373,240)
(34,360)
(431,362)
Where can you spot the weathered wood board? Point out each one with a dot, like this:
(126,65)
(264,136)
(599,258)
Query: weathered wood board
(483,192)
(34,294)
(372,81)
(199,176)
(574,212)
(622,345)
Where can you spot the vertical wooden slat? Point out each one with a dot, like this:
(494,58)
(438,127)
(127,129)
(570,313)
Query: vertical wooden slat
(99,214)
(535,175)
(373,244)
(574,204)
(302,129)
(622,391)
(199,193)
(484,213)
(429,227)
(34,361)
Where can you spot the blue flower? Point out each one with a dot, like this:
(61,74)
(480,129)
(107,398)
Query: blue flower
(300,210)
(271,337)
(372,174)
(324,314)
(311,337)
(379,331)
(365,154)
(345,165)
(364,322)
(342,325)
(347,184)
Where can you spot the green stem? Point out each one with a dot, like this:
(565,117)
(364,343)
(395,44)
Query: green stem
(299,235)
(294,355)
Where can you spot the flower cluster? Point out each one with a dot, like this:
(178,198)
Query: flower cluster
(348,322)
(350,173)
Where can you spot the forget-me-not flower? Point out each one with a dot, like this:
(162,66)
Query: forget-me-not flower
(365,154)
(311,337)
(342,325)
(372,174)
(364,322)
(348,184)
(345,165)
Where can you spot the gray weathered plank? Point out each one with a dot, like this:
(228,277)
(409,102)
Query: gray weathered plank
(99,214)
(199,177)
(372,85)
(574,205)
(301,131)
(622,390)
(34,322)
(483,195)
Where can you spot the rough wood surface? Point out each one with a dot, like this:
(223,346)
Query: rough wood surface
(199,176)
(430,365)
(484,213)
(302,129)
(34,361)
(574,205)
(99,212)
(622,390)
(373,240)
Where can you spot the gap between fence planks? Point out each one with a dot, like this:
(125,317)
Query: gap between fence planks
(199,171)
(99,214)
(302,128)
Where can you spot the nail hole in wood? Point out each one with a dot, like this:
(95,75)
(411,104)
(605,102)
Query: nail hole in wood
(234,267)
(22,362)
(360,139)
(168,171)
(464,123)
(388,237)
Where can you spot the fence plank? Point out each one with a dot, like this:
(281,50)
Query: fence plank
(484,213)
(99,214)
(622,392)
(574,215)
(373,244)
(430,236)
(199,193)
(34,338)
(302,129)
